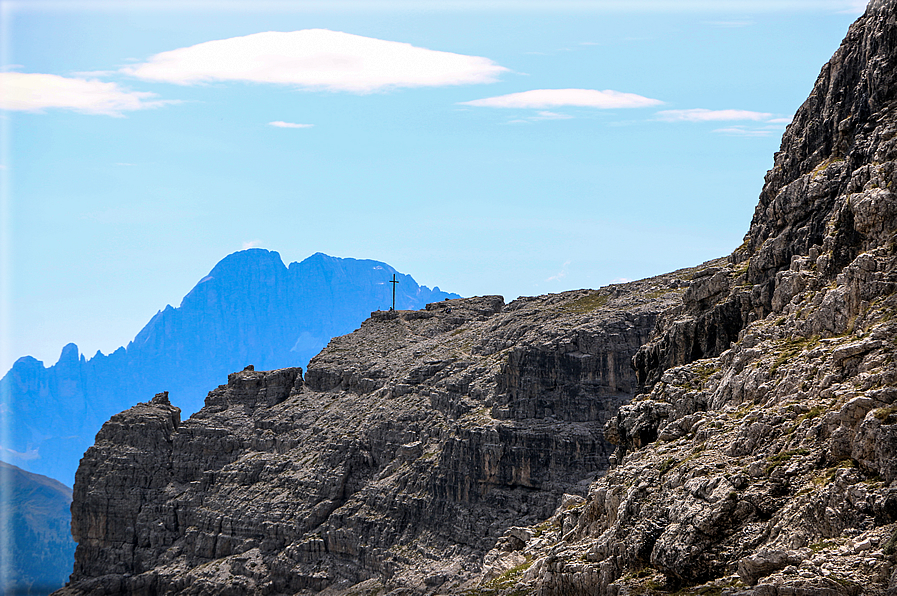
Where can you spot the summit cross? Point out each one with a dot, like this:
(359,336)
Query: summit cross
(393,281)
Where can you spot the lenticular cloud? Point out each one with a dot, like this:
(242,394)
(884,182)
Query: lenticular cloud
(316,59)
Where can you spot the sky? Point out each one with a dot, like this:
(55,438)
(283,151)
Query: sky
(490,147)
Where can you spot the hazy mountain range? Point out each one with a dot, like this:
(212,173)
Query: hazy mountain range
(250,309)
(36,532)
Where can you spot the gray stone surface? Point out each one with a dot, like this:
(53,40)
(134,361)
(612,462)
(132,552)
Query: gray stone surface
(405,452)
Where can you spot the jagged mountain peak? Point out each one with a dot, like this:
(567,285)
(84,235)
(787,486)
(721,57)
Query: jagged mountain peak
(249,309)
(239,262)
(843,126)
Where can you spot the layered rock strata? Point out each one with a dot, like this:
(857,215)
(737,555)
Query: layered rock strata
(396,462)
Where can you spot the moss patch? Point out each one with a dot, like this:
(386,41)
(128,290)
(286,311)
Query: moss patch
(588,303)
(789,348)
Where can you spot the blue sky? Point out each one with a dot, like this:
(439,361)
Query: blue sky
(512,148)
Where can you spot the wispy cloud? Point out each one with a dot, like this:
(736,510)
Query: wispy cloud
(544,115)
(35,92)
(742,131)
(316,59)
(251,244)
(554,98)
(780,120)
(541,115)
(620,280)
(86,74)
(27,455)
(282,124)
(702,115)
(560,274)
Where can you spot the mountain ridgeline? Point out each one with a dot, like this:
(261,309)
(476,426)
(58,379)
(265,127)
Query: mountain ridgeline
(250,309)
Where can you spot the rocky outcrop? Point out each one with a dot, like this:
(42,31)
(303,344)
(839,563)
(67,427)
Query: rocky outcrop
(826,200)
(760,458)
(406,450)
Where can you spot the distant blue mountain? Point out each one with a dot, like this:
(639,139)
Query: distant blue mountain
(250,309)
(39,550)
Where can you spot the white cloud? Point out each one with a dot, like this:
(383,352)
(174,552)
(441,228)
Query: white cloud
(35,92)
(316,59)
(544,115)
(740,131)
(540,115)
(93,74)
(251,244)
(553,98)
(620,280)
(780,120)
(702,115)
(27,455)
(282,124)
(560,274)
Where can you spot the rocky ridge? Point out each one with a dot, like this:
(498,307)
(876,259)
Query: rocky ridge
(396,462)
(760,460)
(756,436)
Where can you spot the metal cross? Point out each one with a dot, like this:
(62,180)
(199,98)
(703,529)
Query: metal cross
(394,281)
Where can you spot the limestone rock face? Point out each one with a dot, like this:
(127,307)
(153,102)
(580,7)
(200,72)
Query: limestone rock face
(826,200)
(760,458)
(405,452)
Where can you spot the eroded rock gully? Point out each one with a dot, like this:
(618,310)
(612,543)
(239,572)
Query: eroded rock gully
(756,431)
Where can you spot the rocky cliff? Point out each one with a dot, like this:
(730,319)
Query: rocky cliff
(461,449)
(406,450)
(761,458)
